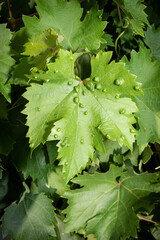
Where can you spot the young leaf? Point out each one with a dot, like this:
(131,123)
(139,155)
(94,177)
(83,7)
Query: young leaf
(65,18)
(81,109)
(148,73)
(6,61)
(105,204)
(42,48)
(41,43)
(33,218)
(152,37)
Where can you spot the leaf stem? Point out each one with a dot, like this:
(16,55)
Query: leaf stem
(78,68)
(119,13)
(146,219)
(116,43)
(9,9)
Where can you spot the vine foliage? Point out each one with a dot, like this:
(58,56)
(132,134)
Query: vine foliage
(79,120)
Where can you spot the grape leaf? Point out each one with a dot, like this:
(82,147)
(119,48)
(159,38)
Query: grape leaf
(33,218)
(152,37)
(81,110)
(56,180)
(39,51)
(148,73)
(20,72)
(65,18)
(35,165)
(134,10)
(41,43)
(104,206)
(6,61)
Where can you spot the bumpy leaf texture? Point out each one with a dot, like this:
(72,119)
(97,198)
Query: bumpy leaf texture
(65,18)
(105,204)
(148,74)
(77,112)
(6,61)
(33,218)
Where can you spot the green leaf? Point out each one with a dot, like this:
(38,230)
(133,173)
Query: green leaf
(156,232)
(33,218)
(152,37)
(18,76)
(65,18)
(134,10)
(148,73)
(52,151)
(104,206)
(6,61)
(146,154)
(65,236)
(42,48)
(56,180)
(41,43)
(35,165)
(111,148)
(77,111)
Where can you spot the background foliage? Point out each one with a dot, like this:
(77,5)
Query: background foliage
(80,119)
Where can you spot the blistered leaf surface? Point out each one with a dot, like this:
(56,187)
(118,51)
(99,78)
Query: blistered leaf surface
(77,112)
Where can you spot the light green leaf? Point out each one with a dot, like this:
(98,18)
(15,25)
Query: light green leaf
(77,111)
(152,39)
(65,236)
(41,43)
(33,218)
(148,73)
(56,180)
(104,206)
(42,48)
(65,18)
(156,232)
(111,148)
(6,61)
